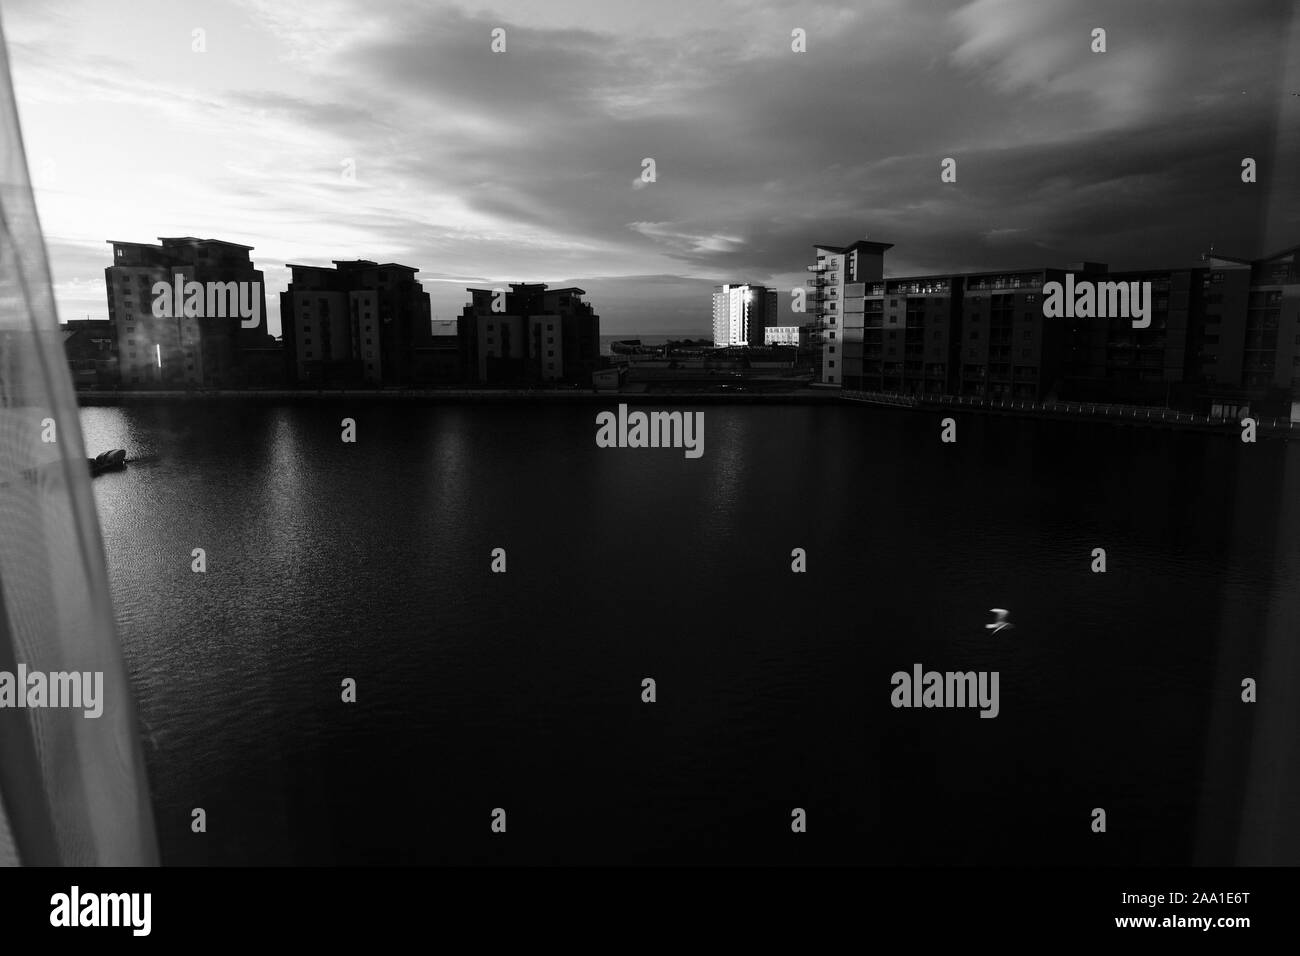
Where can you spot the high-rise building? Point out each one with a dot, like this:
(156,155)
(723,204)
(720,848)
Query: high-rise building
(189,346)
(741,313)
(357,322)
(837,271)
(529,333)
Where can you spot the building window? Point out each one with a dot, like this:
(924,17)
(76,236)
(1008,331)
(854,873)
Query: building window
(974,333)
(550,340)
(832,335)
(308,353)
(1029,334)
(550,327)
(550,354)
(832,350)
(830,364)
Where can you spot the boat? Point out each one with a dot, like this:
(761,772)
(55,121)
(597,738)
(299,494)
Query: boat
(113,460)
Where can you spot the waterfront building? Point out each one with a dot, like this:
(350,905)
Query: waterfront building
(529,333)
(1248,354)
(1223,337)
(1008,350)
(359,322)
(741,314)
(180,350)
(1109,360)
(838,325)
(910,334)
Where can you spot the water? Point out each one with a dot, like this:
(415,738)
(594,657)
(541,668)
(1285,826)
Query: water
(522,691)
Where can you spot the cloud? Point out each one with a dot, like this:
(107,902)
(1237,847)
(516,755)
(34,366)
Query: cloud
(516,166)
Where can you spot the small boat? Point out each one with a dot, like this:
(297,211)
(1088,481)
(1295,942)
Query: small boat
(113,460)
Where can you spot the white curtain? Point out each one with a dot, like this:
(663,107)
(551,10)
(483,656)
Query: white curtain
(72,788)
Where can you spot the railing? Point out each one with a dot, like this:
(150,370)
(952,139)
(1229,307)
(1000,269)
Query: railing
(1090,409)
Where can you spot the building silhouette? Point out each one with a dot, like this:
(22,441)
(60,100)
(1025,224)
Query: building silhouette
(91,348)
(1224,336)
(529,334)
(359,322)
(180,350)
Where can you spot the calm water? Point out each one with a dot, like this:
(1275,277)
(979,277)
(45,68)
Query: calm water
(522,691)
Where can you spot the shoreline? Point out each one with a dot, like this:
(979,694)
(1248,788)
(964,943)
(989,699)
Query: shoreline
(1139,416)
(459,395)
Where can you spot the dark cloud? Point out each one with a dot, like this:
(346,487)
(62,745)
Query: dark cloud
(525,164)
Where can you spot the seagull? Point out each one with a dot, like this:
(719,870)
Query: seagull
(1001,621)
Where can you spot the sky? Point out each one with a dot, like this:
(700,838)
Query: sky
(316,130)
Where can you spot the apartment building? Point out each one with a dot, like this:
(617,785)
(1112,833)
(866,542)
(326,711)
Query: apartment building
(742,313)
(529,333)
(358,322)
(198,346)
(836,271)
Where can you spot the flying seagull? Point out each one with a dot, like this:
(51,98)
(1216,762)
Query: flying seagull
(1001,621)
